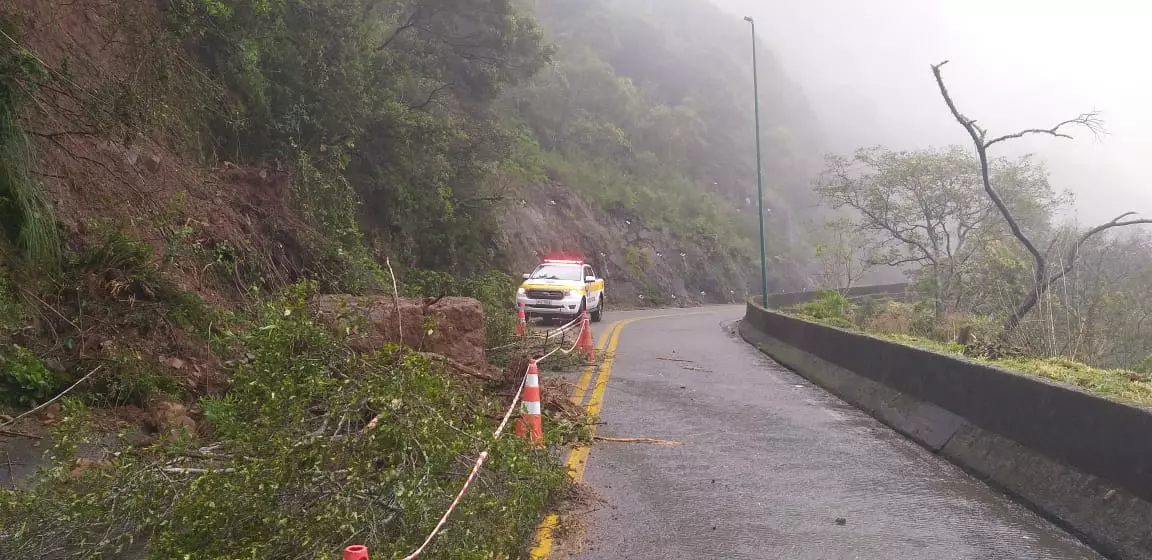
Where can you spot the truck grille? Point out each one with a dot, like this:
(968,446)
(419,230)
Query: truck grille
(544,294)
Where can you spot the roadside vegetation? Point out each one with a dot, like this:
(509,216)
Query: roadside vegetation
(313,448)
(997,271)
(914,324)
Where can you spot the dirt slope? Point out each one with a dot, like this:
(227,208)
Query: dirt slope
(635,259)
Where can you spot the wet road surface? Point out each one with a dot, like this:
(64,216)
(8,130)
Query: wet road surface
(772,466)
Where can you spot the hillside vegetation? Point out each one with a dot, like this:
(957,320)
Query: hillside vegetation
(179,177)
(998,262)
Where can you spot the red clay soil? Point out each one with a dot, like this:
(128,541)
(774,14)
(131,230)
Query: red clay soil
(450,326)
(135,174)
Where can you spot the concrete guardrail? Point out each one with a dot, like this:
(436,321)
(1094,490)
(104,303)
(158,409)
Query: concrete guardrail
(1081,460)
(891,291)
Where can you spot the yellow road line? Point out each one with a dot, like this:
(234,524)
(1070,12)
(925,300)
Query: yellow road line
(586,377)
(597,401)
(578,457)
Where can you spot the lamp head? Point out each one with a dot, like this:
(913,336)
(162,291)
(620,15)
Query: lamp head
(748,19)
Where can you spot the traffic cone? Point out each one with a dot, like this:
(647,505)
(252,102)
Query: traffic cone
(521,320)
(529,424)
(356,552)
(585,341)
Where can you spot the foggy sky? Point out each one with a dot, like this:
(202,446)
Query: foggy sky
(864,66)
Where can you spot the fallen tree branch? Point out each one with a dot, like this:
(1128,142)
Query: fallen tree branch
(53,399)
(395,300)
(637,440)
(189,470)
(467,370)
(19,434)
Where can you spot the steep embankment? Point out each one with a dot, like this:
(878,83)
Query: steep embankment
(171,172)
(637,147)
(636,259)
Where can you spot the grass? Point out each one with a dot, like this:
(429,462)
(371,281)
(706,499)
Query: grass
(1116,384)
(26,211)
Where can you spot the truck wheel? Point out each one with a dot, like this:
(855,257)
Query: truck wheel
(598,314)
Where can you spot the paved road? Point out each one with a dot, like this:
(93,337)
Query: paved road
(772,466)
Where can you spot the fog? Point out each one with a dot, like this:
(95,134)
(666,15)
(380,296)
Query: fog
(1013,64)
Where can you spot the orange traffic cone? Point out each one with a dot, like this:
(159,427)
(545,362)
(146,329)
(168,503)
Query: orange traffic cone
(529,423)
(521,320)
(585,341)
(356,552)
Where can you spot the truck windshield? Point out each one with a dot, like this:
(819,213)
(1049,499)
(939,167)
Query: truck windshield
(558,272)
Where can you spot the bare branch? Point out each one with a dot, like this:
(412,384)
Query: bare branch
(431,95)
(1043,280)
(411,22)
(977,135)
(1090,121)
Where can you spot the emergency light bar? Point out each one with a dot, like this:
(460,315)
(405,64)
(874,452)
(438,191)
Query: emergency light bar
(562,261)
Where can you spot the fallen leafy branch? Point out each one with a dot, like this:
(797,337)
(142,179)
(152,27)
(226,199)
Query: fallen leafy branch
(467,370)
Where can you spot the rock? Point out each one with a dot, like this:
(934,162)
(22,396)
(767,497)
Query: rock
(132,155)
(52,414)
(82,465)
(152,163)
(171,418)
(452,326)
(174,363)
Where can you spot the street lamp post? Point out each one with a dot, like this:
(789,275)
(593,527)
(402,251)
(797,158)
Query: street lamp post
(759,173)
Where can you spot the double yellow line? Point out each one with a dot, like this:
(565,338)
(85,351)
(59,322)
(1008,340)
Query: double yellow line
(578,457)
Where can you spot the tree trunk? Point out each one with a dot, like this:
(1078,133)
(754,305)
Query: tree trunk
(1023,308)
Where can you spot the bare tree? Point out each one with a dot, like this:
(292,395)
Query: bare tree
(1045,276)
(846,254)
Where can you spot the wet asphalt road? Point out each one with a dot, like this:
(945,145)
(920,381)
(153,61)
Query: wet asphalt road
(774,467)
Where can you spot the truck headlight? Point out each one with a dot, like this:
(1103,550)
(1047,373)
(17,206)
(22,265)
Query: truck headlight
(519,291)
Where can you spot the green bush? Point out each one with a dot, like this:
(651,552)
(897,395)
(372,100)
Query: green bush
(24,381)
(829,307)
(130,380)
(120,257)
(313,448)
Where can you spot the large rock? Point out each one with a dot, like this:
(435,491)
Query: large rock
(451,326)
(171,418)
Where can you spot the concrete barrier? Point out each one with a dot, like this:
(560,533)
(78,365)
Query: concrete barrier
(890,291)
(1083,461)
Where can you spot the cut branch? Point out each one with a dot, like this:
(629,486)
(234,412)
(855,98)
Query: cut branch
(653,441)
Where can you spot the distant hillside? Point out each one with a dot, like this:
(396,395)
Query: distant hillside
(646,114)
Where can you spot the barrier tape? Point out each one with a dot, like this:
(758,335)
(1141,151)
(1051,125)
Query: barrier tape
(558,330)
(475,469)
(495,436)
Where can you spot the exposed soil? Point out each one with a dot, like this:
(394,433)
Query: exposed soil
(554,220)
(450,326)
